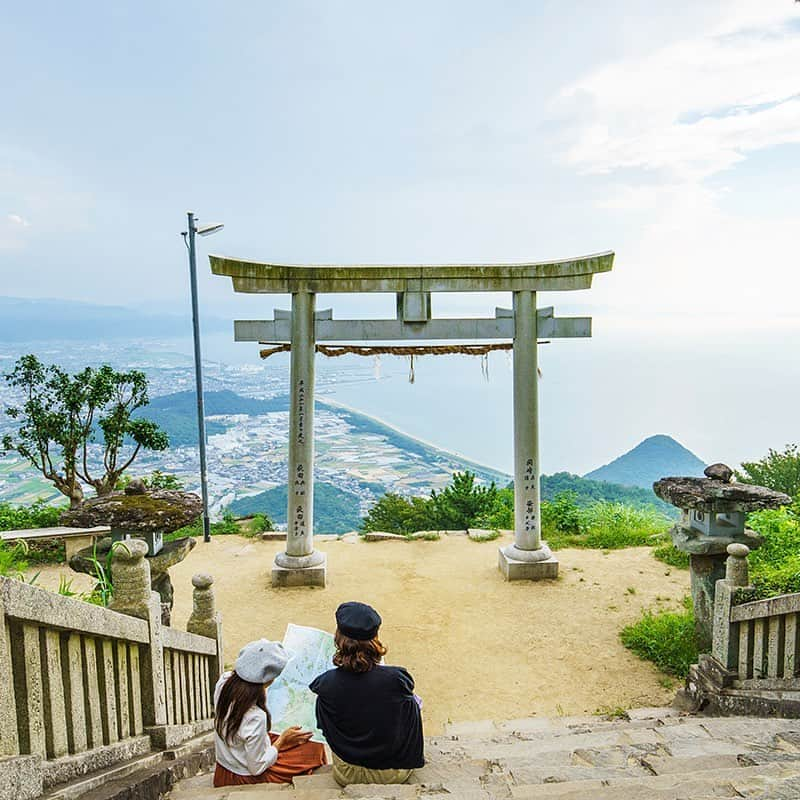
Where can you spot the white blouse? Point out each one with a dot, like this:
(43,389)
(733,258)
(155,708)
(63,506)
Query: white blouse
(250,751)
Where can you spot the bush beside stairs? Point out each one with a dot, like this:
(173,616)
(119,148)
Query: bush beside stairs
(652,754)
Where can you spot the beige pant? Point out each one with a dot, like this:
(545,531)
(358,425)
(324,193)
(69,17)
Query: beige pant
(345,774)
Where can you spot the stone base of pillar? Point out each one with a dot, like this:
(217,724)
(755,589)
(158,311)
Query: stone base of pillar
(516,570)
(285,574)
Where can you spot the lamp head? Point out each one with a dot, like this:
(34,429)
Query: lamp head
(207,230)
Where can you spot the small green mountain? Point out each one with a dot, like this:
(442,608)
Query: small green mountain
(177,413)
(335,510)
(654,458)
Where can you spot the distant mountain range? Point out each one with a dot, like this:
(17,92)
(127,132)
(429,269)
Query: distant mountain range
(23,320)
(654,458)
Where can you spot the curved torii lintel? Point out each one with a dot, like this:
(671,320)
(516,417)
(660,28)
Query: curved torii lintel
(262,277)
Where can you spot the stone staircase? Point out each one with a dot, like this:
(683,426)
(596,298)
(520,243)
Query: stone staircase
(653,754)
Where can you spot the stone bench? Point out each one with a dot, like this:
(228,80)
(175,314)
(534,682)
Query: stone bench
(74,538)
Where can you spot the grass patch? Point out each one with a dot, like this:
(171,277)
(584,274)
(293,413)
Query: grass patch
(486,536)
(604,526)
(224,527)
(611,712)
(669,554)
(667,638)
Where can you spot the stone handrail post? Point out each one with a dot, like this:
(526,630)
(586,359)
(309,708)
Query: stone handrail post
(131,576)
(723,647)
(736,572)
(205,619)
(133,596)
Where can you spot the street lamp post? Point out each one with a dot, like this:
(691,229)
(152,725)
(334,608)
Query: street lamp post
(189,238)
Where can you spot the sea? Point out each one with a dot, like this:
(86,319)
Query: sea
(727,394)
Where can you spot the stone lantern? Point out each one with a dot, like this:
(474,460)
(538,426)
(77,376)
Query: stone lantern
(139,514)
(713,511)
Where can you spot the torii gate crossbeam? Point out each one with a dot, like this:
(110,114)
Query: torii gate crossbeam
(528,557)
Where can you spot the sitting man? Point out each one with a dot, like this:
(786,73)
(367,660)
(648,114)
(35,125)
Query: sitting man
(367,711)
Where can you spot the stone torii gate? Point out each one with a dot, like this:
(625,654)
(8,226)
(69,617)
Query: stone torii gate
(528,557)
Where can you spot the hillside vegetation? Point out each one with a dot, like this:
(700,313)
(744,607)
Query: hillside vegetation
(586,491)
(335,511)
(177,413)
(667,638)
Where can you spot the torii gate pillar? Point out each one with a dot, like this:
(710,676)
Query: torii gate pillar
(528,558)
(301,564)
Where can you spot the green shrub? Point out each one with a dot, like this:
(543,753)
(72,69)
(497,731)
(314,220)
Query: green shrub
(562,514)
(777,470)
(260,523)
(775,566)
(37,515)
(394,513)
(460,503)
(227,525)
(501,514)
(666,638)
(463,504)
(670,554)
(602,525)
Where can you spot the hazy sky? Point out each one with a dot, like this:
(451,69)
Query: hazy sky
(421,131)
(416,132)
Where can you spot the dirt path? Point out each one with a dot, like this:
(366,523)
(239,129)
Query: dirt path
(479,648)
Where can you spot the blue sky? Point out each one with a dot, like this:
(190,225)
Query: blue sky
(428,132)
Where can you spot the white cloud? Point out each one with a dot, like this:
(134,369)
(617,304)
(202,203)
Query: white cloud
(16,219)
(659,126)
(696,106)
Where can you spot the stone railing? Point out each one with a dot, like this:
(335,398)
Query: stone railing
(83,687)
(757,640)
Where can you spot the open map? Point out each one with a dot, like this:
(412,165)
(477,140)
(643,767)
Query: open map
(289,699)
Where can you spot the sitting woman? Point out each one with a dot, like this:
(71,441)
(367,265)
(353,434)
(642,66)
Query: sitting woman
(368,712)
(246,750)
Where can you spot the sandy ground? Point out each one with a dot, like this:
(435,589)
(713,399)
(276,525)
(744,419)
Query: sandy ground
(478,647)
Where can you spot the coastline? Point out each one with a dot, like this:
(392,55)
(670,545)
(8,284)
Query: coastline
(429,445)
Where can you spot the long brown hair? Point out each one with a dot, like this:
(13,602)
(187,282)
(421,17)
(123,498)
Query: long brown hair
(236,698)
(357,656)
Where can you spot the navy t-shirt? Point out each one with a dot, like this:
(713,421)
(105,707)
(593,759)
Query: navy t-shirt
(370,719)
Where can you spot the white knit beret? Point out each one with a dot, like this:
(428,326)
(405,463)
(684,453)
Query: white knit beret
(261,661)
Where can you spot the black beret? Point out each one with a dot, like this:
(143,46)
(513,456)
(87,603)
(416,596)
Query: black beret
(358,621)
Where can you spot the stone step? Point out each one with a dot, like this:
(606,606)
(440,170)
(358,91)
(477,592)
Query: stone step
(208,792)
(556,726)
(657,754)
(680,740)
(82,786)
(725,782)
(156,769)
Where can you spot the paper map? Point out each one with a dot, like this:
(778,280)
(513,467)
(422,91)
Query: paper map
(289,699)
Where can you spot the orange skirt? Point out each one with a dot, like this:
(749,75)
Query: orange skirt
(300,760)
